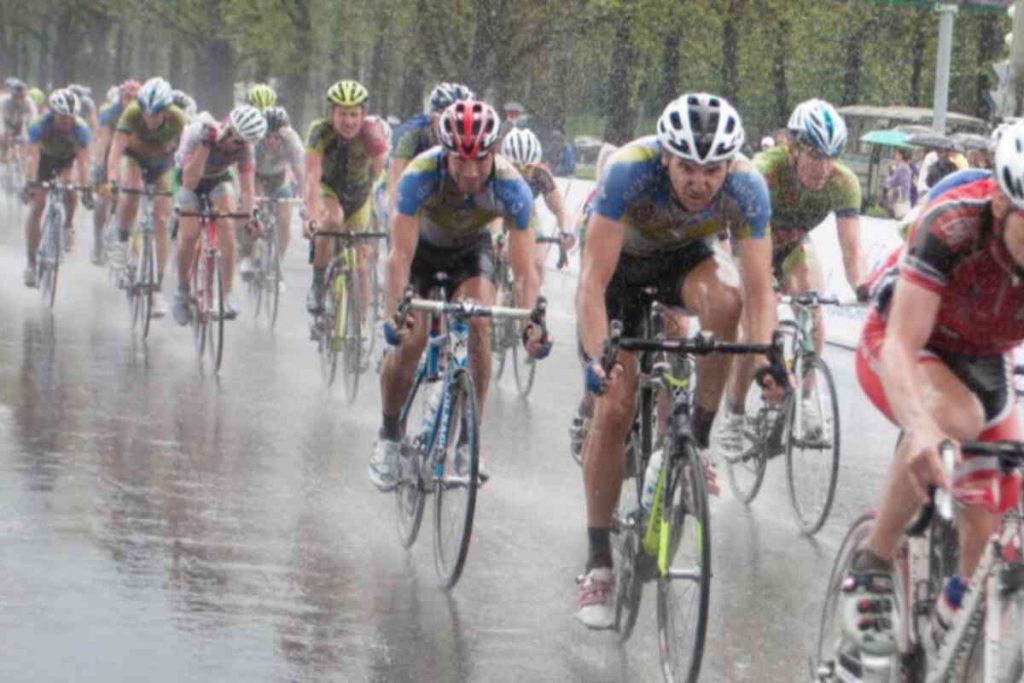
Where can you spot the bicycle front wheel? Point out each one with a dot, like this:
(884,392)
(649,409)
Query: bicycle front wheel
(374,308)
(216,327)
(684,567)
(328,340)
(523,367)
(200,304)
(455,458)
(49,257)
(272,297)
(747,468)
(812,448)
(141,288)
(410,493)
(350,334)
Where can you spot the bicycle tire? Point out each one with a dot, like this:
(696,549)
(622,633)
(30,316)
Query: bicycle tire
(217,319)
(685,498)
(754,462)
(810,519)
(146,284)
(524,371)
(627,549)
(258,282)
(350,335)
(374,306)
(500,328)
(450,557)
(50,256)
(410,496)
(273,301)
(200,304)
(327,346)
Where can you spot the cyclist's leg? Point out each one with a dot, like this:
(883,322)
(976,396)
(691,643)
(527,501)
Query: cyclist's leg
(711,289)
(33,231)
(330,219)
(283,214)
(801,271)
(130,177)
(160,177)
(359,221)
(479,288)
(223,200)
(397,375)
(188,235)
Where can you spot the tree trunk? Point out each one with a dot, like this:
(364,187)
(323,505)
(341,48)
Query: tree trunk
(917,59)
(988,51)
(175,65)
(621,119)
(854,62)
(65,47)
(730,51)
(120,67)
(216,76)
(780,50)
(671,41)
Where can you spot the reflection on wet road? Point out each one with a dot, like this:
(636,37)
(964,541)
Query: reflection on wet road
(158,524)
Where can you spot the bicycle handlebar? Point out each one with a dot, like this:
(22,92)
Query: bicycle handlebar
(280,200)
(469,309)
(348,235)
(147,192)
(211,215)
(700,344)
(563,257)
(810,299)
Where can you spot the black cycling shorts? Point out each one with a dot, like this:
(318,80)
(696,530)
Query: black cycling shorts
(51,167)
(988,378)
(459,264)
(664,273)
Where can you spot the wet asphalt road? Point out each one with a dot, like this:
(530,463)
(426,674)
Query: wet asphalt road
(157,524)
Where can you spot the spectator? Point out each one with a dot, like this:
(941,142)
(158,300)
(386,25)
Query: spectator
(767,142)
(942,167)
(566,157)
(898,185)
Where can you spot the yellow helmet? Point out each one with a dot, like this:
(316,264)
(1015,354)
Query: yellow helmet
(262,96)
(347,94)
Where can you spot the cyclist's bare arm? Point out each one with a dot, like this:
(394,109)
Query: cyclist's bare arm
(82,166)
(116,153)
(32,162)
(848,229)
(759,297)
(247,188)
(600,257)
(314,171)
(377,166)
(557,207)
(404,234)
(101,146)
(192,170)
(522,257)
(910,324)
(394,175)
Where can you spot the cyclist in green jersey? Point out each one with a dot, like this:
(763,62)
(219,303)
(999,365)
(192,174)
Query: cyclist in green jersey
(109,115)
(344,154)
(806,183)
(147,136)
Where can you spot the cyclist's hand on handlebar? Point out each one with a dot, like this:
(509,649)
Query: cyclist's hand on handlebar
(595,378)
(921,462)
(28,193)
(396,329)
(568,240)
(774,381)
(863,292)
(308,228)
(87,200)
(537,341)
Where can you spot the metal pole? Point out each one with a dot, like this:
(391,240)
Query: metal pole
(942,60)
(1016,59)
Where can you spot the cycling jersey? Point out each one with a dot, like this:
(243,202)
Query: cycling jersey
(110,114)
(147,143)
(88,109)
(796,210)
(635,191)
(450,219)
(347,165)
(414,137)
(61,145)
(275,156)
(16,115)
(539,178)
(221,159)
(954,251)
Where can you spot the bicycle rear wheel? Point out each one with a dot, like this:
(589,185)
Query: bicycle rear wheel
(455,457)
(684,571)
(410,494)
(350,334)
(329,341)
(812,461)
(746,470)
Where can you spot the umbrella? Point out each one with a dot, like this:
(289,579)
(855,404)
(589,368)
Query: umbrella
(933,141)
(972,141)
(886,138)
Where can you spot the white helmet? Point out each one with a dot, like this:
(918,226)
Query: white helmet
(816,123)
(248,123)
(522,146)
(155,95)
(1009,163)
(63,101)
(767,142)
(701,127)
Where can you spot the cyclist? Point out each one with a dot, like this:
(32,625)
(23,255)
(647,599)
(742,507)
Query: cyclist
(57,140)
(661,202)
(16,111)
(523,149)
(344,154)
(279,152)
(142,153)
(935,358)
(806,182)
(184,102)
(419,133)
(109,115)
(209,150)
(447,198)
(261,96)
(38,98)
(85,101)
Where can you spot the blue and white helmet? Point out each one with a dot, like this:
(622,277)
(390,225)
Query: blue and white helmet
(445,94)
(702,128)
(816,123)
(155,95)
(1009,163)
(64,102)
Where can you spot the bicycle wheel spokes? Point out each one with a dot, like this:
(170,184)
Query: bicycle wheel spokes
(746,470)
(329,341)
(684,568)
(523,367)
(812,448)
(50,256)
(456,460)
(217,309)
(409,492)
(628,556)
(350,335)
(201,311)
(273,284)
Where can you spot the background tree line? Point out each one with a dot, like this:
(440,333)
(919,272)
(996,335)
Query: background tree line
(598,66)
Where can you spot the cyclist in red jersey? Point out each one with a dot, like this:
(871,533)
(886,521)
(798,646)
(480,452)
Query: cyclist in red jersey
(933,357)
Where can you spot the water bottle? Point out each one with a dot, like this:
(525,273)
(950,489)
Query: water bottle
(434,390)
(461,332)
(651,479)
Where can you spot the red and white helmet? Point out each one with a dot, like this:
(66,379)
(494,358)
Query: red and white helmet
(469,128)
